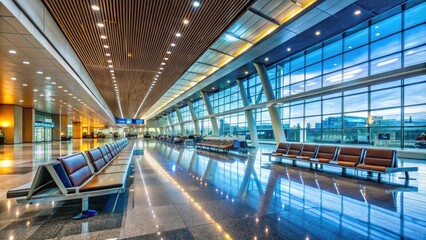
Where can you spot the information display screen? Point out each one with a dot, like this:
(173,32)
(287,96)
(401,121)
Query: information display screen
(129,121)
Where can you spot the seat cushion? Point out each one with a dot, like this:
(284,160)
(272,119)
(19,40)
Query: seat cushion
(77,169)
(21,191)
(96,157)
(371,167)
(104,181)
(347,164)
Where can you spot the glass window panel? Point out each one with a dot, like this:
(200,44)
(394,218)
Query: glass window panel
(413,137)
(415,36)
(355,136)
(313,122)
(313,71)
(333,105)
(313,108)
(356,72)
(386,27)
(386,85)
(285,91)
(358,120)
(415,56)
(296,123)
(333,49)
(313,134)
(387,117)
(355,91)
(285,112)
(332,78)
(332,64)
(356,56)
(415,15)
(386,98)
(386,64)
(356,40)
(415,94)
(297,88)
(313,84)
(314,56)
(297,63)
(356,102)
(386,137)
(271,73)
(386,46)
(332,121)
(333,95)
(415,116)
(417,79)
(298,76)
(296,111)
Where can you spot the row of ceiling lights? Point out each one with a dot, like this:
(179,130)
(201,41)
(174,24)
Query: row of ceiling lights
(185,22)
(101,25)
(49,95)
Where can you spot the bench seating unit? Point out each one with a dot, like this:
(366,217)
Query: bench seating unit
(380,161)
(218,145)
(77,176)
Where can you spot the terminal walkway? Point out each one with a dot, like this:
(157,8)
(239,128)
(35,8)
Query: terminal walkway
(188,194)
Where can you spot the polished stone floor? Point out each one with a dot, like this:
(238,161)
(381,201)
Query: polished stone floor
(178,193)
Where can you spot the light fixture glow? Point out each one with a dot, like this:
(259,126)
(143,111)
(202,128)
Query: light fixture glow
(173,44)
(288,49)
(196,3)
(13,79)
(317,33)
(357,12)
(178,34)
(12,51)
(100,25)
(266,59)
(103,37)
(39,72)
(24,84)
(95,7)
(26,62)
(106,46)
(185,21)
(108,54)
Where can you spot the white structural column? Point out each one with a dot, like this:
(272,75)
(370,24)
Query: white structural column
(171,124)
(249,115)
(273,111)
(194,117)
(160,125)
(179,117)
(209,109)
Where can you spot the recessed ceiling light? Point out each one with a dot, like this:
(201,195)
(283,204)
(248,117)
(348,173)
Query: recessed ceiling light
(318,33)
(106,46)
(95,7)
(185,21)
(161,68)
(129,54)
(288,49)
(13,79)
(65,90)
(35,90)
(173,44)
(47,78)
(24,84)
(103,37)
(109,61)
(213,88)
(168,52)
(166,59)
(108,54)
(12,51)
(110,66)
(111,70)
(39,72)
(163,63)
(53,83)
(26,62)
(229,81)
(70,94)
(246,72)
(74,97)
(157,76)
(196,3)
(41,95)
(266,59)
(100,25)
(35,100)
(357,12)
(178,35)
(21,100)
(59,86)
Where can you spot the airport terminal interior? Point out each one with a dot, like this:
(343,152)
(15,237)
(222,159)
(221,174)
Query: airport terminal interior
(212,119)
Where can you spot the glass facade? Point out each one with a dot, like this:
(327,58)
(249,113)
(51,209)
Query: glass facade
(390,114)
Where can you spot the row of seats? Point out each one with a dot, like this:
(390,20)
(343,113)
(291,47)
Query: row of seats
(96,172)
(213,144)
(368,159)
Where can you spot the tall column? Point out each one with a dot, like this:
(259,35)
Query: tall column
(56,131)
(273,111)
(11,123)
(180,120)
(28,125)
(77,130)
(171,124)
(249,115)
(209,109)
(194,117)
(64,125)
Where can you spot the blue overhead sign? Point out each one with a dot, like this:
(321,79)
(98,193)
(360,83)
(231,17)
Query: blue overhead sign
(129,121)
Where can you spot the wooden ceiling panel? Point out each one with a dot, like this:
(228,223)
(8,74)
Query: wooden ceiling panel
(145,29)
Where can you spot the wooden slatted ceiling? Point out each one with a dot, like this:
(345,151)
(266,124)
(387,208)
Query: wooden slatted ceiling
(146,28)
